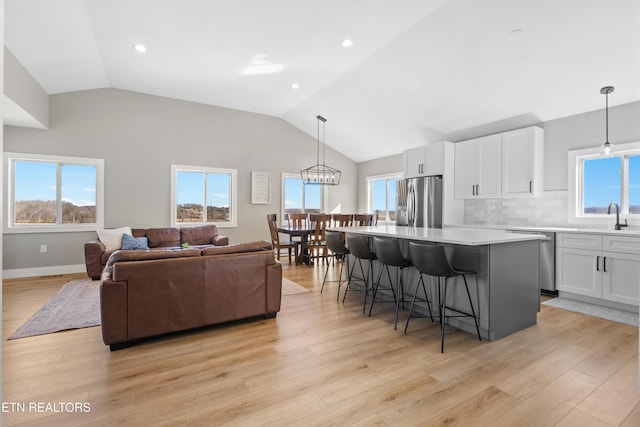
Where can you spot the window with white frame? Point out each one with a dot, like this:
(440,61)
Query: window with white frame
(54,193)
(203,195)
(300,198)
(381,196)
(600,181)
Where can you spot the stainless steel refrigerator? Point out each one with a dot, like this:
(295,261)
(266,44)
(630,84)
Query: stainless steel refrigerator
(419,202)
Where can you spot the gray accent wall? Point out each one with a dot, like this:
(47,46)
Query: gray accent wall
(139,137)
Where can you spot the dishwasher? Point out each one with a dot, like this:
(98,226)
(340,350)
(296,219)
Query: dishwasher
(547,261)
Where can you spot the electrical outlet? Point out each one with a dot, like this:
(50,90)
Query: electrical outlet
(43,249)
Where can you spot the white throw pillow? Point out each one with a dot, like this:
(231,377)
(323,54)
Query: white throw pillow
(112,239)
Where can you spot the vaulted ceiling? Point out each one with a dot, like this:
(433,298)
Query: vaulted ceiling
(418,71)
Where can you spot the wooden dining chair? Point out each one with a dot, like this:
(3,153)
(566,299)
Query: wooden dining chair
(298,220)
(277,244)
(316,241)
(342,220)
(363,219)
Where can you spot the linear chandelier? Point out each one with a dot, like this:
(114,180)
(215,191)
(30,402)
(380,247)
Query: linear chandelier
(320,173)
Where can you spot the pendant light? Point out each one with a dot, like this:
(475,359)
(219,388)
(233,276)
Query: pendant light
(320,174)
(606,149)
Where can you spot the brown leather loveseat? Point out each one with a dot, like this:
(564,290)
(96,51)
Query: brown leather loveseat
(145,293)
(96,254)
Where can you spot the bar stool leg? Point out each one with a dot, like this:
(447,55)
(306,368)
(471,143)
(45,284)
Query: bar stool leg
(325,275)
(377,285)
(473,312)
(406,325)
(415,294)
(443,307)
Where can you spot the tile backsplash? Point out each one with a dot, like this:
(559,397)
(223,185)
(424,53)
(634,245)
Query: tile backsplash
(548,210)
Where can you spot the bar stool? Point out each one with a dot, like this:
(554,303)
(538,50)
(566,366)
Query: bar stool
(432,261)
(359,248)
(388,252)
(336,246)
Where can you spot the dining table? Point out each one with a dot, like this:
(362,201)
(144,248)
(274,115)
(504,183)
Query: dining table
(303,233)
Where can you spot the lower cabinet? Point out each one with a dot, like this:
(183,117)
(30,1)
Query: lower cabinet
(598,273)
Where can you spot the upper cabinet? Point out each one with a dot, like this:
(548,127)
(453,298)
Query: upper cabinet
(477,165)
(502,165)
(424,161)
(522,157)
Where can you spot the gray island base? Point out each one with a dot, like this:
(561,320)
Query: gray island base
(507,292)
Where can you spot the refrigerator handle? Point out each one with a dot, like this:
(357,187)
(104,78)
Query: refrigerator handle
(411,206)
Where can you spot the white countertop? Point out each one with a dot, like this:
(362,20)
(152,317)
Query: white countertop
(552,229)
(452,235)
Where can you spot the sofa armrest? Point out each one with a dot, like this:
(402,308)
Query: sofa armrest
(220,240)
(113,311)
(93,258)
(273,288)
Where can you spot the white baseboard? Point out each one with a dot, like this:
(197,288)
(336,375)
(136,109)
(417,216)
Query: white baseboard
(43,271)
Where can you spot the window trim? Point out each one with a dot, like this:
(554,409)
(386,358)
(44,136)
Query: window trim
(233,206)
(286,175)
(369,181)
(575,166)
(11,228)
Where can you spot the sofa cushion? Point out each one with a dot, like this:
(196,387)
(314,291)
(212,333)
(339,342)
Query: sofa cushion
(261,245)
(163,237)
(129,242)
(112,238)
(199,235)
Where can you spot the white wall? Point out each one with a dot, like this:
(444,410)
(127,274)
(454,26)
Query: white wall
(561,135)
(585,131)
(140,136)
(381,166)
(23,90)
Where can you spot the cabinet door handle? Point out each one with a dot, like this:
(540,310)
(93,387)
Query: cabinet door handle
(604,264)
(477,189)
(598,263)
(530,186)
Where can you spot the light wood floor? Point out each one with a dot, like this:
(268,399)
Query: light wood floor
(323,363)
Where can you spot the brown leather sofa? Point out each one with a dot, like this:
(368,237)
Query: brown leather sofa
(96,256)
(145,293)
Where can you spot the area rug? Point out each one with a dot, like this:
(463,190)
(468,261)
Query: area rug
(613,314)
(290,287)
(76,305)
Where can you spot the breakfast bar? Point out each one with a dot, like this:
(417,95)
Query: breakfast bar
(507,296)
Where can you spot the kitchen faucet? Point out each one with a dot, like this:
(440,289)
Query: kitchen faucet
(618,225)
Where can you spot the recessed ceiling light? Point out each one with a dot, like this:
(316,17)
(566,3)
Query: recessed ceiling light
(515,34)
(140,48)
(295,86)
(347,43)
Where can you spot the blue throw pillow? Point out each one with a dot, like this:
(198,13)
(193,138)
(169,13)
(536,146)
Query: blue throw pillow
(130,242)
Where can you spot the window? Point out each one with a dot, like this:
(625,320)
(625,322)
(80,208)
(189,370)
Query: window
(297,197)
(599,181)
(203,196)
(53,193)
(381,200)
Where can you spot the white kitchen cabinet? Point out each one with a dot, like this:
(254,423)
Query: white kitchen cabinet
(522,160)
(576,272)
(584,268)
(621,277)
(477,169)
(424,161)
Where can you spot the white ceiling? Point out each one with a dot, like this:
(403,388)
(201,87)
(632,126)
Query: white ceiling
(419,71)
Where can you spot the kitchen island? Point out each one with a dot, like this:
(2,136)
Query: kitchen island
(508,290)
